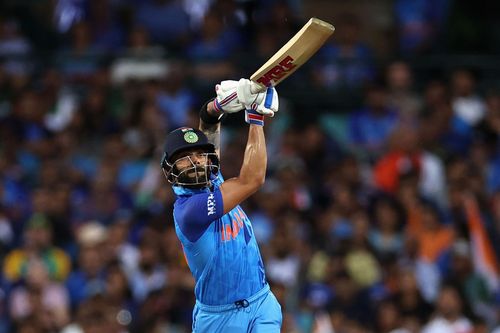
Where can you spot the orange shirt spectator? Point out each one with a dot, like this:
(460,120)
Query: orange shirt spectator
(433,238)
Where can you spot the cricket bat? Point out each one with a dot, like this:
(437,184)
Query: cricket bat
(292,55)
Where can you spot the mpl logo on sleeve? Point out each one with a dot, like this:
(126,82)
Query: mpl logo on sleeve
(210,204)
(282,69)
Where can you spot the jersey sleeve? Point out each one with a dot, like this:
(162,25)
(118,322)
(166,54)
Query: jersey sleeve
(195,213)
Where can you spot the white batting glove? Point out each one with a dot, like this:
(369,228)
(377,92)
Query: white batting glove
(227,97)
(265,103)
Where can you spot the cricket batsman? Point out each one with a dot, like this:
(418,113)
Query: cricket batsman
(231,291)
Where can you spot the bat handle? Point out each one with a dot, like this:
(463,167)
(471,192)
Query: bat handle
(256,88)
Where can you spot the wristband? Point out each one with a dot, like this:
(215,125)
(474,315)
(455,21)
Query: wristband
(253,117)
(208,118)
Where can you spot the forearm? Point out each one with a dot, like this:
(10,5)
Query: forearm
(253,169)
(212,131)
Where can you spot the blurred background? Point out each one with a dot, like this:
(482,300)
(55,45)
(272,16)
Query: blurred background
(381,209)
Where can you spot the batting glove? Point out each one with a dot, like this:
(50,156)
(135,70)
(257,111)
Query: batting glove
(265,103)
(227,97)
(254,113)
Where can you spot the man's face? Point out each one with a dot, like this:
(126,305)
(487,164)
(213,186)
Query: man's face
(192,164)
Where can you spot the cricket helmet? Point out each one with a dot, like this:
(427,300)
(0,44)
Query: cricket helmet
(188,139)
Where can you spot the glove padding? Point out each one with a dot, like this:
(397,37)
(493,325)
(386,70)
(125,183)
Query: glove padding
(227,97)
(265,102)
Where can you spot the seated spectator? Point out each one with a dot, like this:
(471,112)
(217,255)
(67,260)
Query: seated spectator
(283,261)
(119,246)
(40,297)
(443,131)
(408,297)
(360,261)
(117,292)
(370,127)
(88,277)
(150,274)
(389,317)
(405,155)
(473,286)
(388,219)
(37,243)
(401,94)
(433,236)
(106,197)
(350,301)
(449,316)
(467,104)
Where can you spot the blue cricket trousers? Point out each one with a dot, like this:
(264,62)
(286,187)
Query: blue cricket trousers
(260,313)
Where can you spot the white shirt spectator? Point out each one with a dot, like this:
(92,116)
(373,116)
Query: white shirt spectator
(470,109)
(442,325)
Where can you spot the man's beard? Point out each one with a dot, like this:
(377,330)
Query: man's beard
(196,176)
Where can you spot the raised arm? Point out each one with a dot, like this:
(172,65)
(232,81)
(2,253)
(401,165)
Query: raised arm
(252,173)
(211,129)
(253,169)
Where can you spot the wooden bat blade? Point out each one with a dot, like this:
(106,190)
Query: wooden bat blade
(293,54)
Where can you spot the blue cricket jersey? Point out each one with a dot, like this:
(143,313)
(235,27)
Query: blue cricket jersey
(220,249)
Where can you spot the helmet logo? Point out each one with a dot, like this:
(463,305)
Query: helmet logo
(190,137)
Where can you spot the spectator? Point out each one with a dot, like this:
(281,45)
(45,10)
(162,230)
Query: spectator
(408,298)
(118,294)
(88,279)
(471,285)
(40,298)
(404,155)
(449,315)
(284,260)
(442,131)
(401,94)
(370,127)
(389,217)
(432,234)
(388,317)
(37,243)
(467,104)
(150,274)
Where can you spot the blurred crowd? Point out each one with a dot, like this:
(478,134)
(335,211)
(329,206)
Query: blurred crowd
(370,219)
